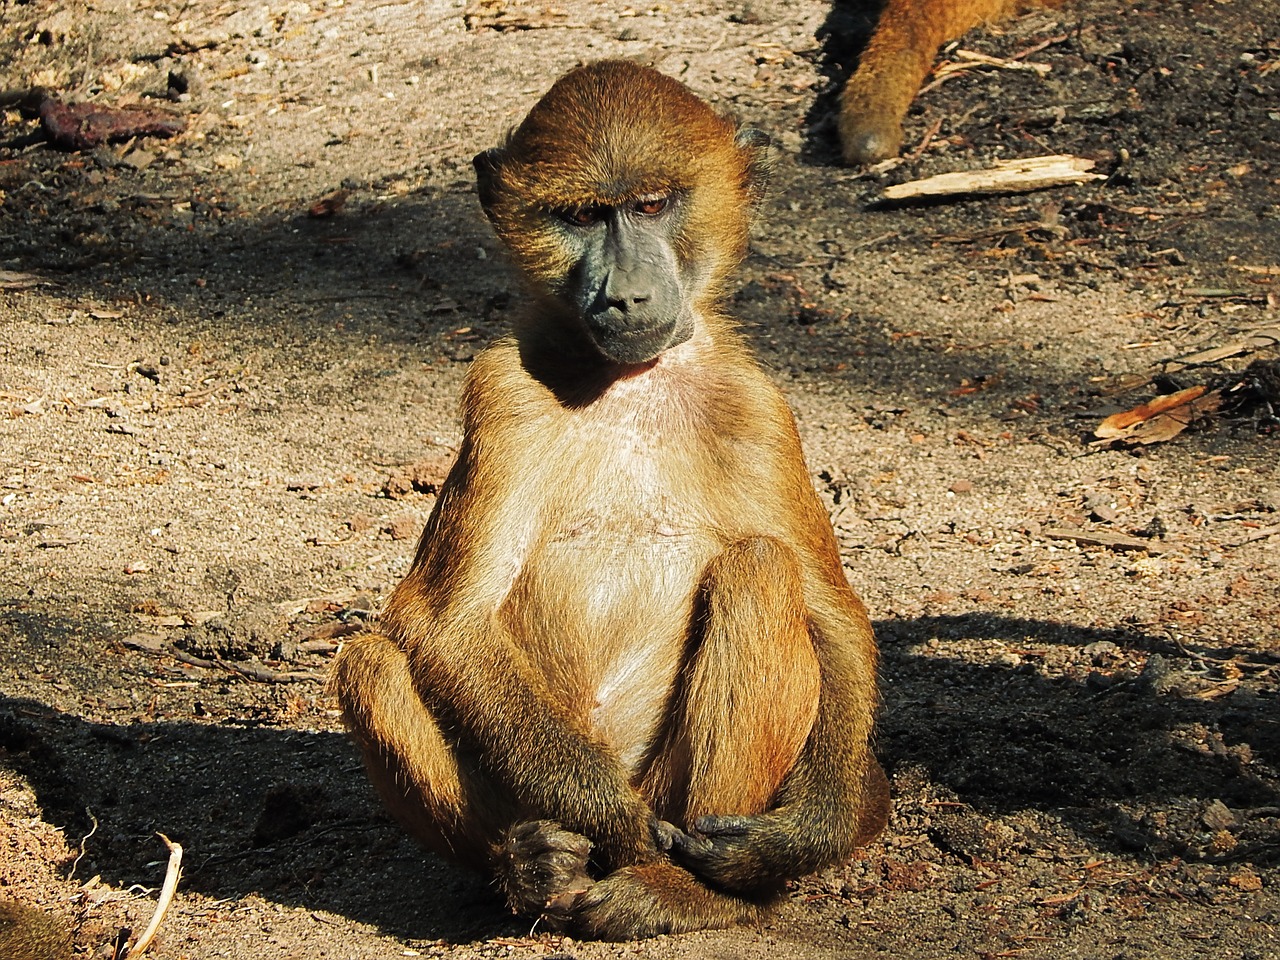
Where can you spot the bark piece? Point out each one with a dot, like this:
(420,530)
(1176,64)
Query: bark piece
(1006,176)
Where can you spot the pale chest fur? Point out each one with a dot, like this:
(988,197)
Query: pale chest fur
(628,525)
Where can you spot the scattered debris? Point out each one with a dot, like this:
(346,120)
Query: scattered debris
(83,126)
(329,206)
(507,17)
(421,476)
(1006,176)
(1253,392)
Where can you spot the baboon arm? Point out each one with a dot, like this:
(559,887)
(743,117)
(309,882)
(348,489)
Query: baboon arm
(528,743)
(471,672)
(823,797)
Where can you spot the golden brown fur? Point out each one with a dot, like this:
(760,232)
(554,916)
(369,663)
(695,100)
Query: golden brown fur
(627,610)
(27,933)
(897,58)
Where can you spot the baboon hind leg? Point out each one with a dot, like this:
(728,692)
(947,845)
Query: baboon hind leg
(416,772)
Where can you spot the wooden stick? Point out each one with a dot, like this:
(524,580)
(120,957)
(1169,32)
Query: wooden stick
(1101,538)
(1254,340)
(166,897)
(1006,176)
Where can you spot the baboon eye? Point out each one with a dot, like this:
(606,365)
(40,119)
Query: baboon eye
(582,216)
(651,206)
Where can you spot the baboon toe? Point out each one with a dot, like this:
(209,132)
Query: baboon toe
(655,898)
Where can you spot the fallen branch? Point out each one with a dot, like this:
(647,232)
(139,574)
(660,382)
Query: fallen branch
(1006,176)
(166,897)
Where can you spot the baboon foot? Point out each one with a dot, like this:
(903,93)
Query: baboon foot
(542,869)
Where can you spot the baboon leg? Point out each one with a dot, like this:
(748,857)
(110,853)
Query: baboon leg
(896,59)
(744,706)
(414,769)
(748,695)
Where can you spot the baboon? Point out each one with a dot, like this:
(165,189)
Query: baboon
(625,673)
(897,58)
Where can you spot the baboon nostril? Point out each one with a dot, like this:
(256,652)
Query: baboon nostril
(626,301)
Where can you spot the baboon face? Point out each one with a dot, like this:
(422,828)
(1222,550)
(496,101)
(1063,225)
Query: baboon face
(627,285)
(625,200)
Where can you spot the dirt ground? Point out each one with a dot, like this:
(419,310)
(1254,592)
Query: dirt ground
(230,365)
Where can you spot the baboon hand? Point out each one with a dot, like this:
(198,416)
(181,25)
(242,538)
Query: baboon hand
(729,851)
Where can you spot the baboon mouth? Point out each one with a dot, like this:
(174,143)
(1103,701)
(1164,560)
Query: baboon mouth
(637,343)
(634,347)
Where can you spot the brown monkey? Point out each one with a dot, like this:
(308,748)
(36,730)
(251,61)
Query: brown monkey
(897,58)
(27,933)
(625,672)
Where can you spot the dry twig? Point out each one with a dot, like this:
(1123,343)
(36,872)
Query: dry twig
(1253,341)
(166,897)
(1261,534)
(1101,538)
(973,60)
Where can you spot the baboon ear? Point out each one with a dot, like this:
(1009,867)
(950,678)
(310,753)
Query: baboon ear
(760,162)
(487,163)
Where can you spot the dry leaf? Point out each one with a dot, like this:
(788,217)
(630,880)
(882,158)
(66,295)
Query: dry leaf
(1160,420)
(1118,423)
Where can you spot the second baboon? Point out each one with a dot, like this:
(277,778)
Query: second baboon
(897,58)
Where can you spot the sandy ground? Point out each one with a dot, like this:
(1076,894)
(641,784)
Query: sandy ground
(224,417)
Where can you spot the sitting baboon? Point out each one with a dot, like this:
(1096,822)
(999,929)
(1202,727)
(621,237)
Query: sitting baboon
(625,673)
